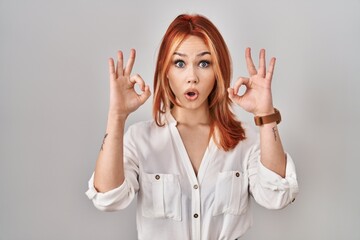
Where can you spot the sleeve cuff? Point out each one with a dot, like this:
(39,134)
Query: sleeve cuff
(275,182)
(110,197)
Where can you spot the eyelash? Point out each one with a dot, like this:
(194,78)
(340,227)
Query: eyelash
(176,62)
(207,63)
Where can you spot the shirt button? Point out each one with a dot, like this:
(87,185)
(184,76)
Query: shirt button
(196,215)
(157,177)
(237,174)
(196,186)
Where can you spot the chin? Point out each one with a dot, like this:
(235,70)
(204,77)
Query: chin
(193,105)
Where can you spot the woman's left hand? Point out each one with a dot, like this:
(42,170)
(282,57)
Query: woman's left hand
(257,98)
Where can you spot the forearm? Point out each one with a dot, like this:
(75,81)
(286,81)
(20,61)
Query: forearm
(272,152)
(109,170)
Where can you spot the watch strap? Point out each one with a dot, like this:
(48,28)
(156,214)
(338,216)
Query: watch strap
(261,120)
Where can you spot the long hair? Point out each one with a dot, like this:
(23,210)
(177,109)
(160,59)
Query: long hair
(225,128)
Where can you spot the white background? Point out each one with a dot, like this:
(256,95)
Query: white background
(54,100)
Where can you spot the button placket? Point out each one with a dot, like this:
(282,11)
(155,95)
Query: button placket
(196,206)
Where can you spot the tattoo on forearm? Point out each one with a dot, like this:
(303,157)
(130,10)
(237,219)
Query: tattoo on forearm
(275,132)
(102,145)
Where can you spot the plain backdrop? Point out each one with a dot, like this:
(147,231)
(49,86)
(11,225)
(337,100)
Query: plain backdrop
(54,92)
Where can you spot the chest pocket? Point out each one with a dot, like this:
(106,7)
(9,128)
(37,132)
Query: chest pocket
(161,196)
(231,195)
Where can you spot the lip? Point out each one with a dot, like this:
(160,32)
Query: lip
(191,94)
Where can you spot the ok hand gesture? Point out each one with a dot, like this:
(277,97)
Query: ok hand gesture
(123,97)
(257,98)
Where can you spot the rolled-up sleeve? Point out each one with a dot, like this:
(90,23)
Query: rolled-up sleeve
(120,197)
(115,199)
(269,189)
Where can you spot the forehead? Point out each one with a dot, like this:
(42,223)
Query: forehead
(192,44)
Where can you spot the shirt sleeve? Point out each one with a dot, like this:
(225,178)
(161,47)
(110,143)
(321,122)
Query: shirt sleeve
(120,197)
(268,188)
(115,199)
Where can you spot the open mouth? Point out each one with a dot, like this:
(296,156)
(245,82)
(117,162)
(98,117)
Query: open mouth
(191,95)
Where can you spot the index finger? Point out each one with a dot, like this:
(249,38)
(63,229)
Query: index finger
(249,62)
(130,63)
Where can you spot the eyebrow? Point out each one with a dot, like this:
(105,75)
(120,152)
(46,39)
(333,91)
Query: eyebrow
(199,55)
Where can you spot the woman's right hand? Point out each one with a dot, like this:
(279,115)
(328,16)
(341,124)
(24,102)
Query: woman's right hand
(123,97)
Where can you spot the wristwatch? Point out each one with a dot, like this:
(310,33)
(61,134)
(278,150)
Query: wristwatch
(261,120)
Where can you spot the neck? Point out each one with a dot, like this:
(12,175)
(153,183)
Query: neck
(191,117)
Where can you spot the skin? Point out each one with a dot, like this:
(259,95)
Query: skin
(109,169)
(192,116)
(257,100)
(191,70)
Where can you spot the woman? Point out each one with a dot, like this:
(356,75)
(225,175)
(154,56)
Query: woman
(194,166)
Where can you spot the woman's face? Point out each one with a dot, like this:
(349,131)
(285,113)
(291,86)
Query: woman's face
(191,75)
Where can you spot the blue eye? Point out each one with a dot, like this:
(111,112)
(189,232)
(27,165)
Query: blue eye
(179,63)
(204,64)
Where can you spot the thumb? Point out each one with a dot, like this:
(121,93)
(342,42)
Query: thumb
(233,96)
(145,94)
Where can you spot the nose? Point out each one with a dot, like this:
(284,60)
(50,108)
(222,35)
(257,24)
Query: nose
(192,76)
(195,80)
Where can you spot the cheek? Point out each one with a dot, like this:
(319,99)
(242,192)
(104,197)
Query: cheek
(174,79)
(173,86)
(209,78)
(170,79)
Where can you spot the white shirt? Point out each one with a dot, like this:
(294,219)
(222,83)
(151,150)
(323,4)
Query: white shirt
(174,203)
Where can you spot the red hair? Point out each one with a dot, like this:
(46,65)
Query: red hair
(224,123)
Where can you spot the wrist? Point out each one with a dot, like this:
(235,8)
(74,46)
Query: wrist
(264,113)
(118,117)
(115,126)
(268,118)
